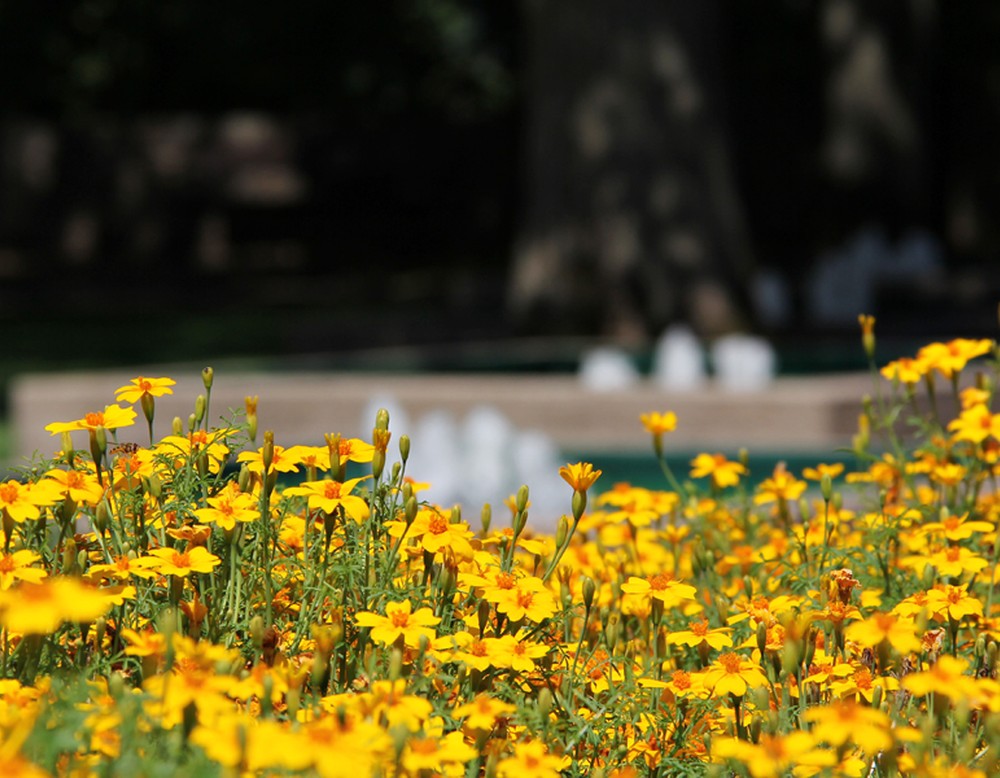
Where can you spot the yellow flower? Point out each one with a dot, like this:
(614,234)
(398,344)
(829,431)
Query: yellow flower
(946,677)
(437,756)
(663,587)
(975,424)
(195,443)
(329,495)
(137,387)
(732,674)
(580,476)
(435,532)
(949,358)
(77,486)
(112,417)
(699,633)
(183,563)
(483,712)
(724,473)
(355,450)
(22,501)
(773,755)
(17,567)
(122,568)
(659,423)
(527,599)
(817,473)
(953,602)
(905,370)
(283,460)
(39,608)
(532,760)
(951,561)
(229,506)
(399,621)
(782,486)
(518,654)
(900,633)
(850,722)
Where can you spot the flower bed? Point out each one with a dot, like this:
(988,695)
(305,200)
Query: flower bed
(176,609)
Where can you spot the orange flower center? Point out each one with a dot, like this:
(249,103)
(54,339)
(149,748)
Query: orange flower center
(884,621)
(144,385)
(524,599)
(425,746)
(681,680)
(478,648)
(955,595)
(731,662)
(863,678)
(437,525)
(7,564)
(94,419)
(9,492)
(74,479)
(198,438)
(181,560)
(660,582)
(504,580)
(331,490)
(700,628)
(953,553)
(400,619)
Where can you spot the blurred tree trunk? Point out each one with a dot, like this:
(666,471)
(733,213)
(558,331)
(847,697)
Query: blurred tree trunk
(632,219)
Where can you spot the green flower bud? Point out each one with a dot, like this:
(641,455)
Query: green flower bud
(207,376)
(404,447)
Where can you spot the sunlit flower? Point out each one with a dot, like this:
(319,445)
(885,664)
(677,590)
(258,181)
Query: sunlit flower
(529,598)
(951,357)
(282,461)
(905,370)
(40,608)
(724,472)
(329,495)
(483,712)
(532,760)
(17,566)
(773,755)
(699,633)
(134,390)
(953,602)
(433,755)
(732,674)
(229,506)
(818,472)
(899,632)
(24,501)
(659,423)
(946,677)
(781,486)
(663,587)
(849,722)
(580,476)
(183,563)
(399,621)
(112,417)
(78,486)
(975,424)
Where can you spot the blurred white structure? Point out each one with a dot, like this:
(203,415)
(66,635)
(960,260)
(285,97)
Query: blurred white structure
(743,363)
(679,360)
(607,369)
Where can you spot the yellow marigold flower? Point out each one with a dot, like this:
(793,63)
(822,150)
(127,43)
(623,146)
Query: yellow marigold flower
(483,712)
(229,506)
(145,643)
(699,633)
(861,683)
(724,472)
(900,633)
(661,586)
(518,654)
(23,501)
(17,566)
(849,722)
(355,450)
(953,602)
(329,495)
(773,755)
(475,653)
(529,598)
(951,357)
(975,424)
(580,476)
(40,608)
(782,486)
(946,677)
(283,461)
(659,423)
(210,443)
(951,561)
(134,390)
(732,674)
(78,486)
(532,760)
(434,532)
(973,395)
(112,417)
(437,756)
(905,370)
(183,563)
(867,322)
(817,473)
(399,621)
(123,568)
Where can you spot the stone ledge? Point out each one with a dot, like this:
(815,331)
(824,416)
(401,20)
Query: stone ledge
(800,413)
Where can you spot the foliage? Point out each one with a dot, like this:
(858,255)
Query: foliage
(181,608)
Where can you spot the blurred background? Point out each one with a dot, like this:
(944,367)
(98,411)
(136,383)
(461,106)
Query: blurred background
(449,185)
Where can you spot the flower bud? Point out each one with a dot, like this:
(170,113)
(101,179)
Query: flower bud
(404,447)
(410,510)
(521,501)
(67,447)
(486,517)
(177,427)
(579,504)
(243,479)
(382,419)
(207,376)
(200,404)
(762,637)
(867,323)
(589,590)
(148,404)
(545,701)
(826,486)
(456,514)
(102,516)
(257,632)
(267,451)
(562,531)
(192,422)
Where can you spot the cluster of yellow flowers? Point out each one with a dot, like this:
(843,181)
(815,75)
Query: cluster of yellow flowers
(203,605)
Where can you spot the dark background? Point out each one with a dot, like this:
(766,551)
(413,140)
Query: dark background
(457,184)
